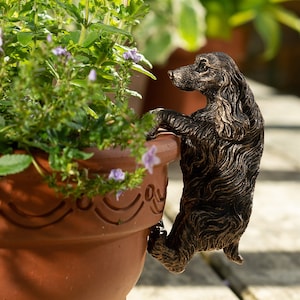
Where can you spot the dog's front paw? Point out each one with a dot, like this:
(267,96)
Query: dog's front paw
(158,114)
(156,110)
(152,134)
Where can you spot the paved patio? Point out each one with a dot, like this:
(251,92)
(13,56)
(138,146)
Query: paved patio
(271,243)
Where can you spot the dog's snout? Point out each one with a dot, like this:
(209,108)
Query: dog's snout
(171,74)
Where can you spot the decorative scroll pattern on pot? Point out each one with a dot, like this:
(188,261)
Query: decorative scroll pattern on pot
(106,208)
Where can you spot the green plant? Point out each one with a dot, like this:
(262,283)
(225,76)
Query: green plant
(187,24)
(65,68)
(171,24)
(266,16)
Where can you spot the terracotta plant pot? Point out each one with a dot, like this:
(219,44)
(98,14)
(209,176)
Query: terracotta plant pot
(57,248)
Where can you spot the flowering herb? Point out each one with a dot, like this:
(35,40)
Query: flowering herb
(60,51)
(133,55)
(150,159)
(116,174)
(65,70)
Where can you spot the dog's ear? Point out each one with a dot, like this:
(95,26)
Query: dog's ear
(232,122)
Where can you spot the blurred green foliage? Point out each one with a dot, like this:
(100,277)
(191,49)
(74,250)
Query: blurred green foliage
(189,23)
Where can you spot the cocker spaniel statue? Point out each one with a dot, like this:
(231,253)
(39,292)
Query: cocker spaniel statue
(221,148)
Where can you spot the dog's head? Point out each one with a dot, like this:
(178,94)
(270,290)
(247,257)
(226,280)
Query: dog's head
(230,100)
(209,73)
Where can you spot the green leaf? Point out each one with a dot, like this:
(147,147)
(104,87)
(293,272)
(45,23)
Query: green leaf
(190,25)
(24,38)
(79,82)
(73,10)
(52,69)
(90,112)
(159,47)
(110,29)
(14,163)
(2,122)
(78,154)
(269,30)
(242,17)
(286,17)
(134,93)
(140,69)
(90,39)
(74,36)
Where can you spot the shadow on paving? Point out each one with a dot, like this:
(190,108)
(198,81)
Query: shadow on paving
(282,127)
(270,268)
(259,269)
(197,273)
(278,175)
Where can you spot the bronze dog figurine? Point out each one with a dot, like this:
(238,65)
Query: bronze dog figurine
(221,148)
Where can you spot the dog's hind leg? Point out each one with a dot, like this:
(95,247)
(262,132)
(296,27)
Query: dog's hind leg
(232,252)
(175,250)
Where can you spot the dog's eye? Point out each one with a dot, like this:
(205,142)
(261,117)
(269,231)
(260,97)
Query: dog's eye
(201,67)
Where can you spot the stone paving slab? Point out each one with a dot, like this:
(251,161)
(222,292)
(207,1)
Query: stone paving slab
(180,293)
(286,143)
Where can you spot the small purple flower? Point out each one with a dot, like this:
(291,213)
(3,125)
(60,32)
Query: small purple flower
(49,38)
(116,174)
(150,159)
(60,51)
(118,195)
(132,55)
(92,75)
(1,40)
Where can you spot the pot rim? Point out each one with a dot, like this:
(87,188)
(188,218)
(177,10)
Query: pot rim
(168,150)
